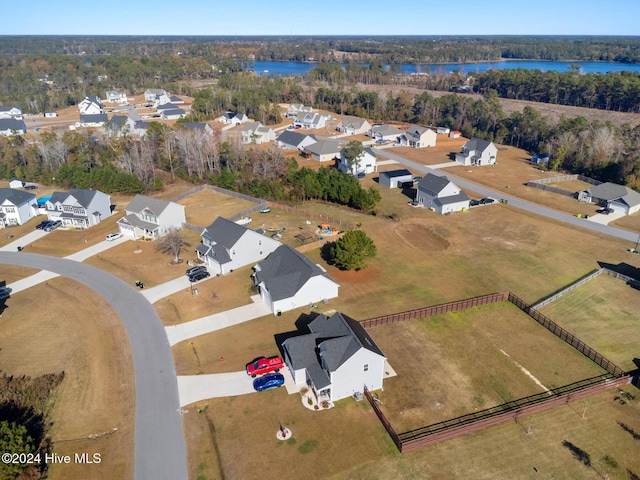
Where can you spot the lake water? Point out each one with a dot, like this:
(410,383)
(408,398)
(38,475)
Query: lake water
(300,68)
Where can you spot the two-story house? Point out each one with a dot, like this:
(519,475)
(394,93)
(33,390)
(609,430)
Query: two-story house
(353,126)
(477,152)
(16,207)
(91,105)
(363,165)
(116,97)
(78,208)
(441,194)
(156,96)
(11,111)
(418,137)
(227,246)
(337,358)
(147,217)
(11,126)
(255,132)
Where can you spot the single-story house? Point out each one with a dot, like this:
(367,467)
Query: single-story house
(296,109)
(93,120)
(227,246)
(290,140)
(255,132)
(612,196)
(78,208)
(395,178)
(323,151)
(337,358)
(363,165)
(172,114)
(540,159)
(16,183)
(418,137)
(16,207)
(11,126)
(287,279)
(11,111)
(156,96)
(477,152)
(443,131)
(384,133)
(198,127)
(455,134)
(147,217)
(232,118)
(353,126)
(176,100)
(91,105)
(441,194)
(116,97)
(310,120)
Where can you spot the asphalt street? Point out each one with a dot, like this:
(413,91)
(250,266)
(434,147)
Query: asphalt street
(519,203)
(160,450)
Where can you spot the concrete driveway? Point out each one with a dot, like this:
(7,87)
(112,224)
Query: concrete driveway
(605,219)
(23,240)
(217,321)
(168,288)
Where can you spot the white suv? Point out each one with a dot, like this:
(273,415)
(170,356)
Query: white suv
(113,236)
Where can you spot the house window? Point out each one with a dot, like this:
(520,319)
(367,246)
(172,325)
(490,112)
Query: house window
(366,367)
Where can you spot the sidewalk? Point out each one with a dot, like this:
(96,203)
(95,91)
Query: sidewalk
(24,240)
(184,331)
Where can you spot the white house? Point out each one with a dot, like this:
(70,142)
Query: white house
(290,140)
(363,165)
(119,125)
(78,208)
(418,137)
(11,126)
(92,120)
(16,207)
(287,280)
(336,358)
(91,105)
(116,97)
(310,120)
(477,152)
(172,114)
(395,178)
(156,96)
(612,196)
(441,194)
(11,112)
(353,126)
(255,132)
(198,127)
(147,217)
(323,151)
(232,118)
(296,109)
(385,133)
(227,246)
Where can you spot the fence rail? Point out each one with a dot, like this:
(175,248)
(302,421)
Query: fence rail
(568,289)
(567,337)
(315,216)
(435,310)
(542,183)
(385,423)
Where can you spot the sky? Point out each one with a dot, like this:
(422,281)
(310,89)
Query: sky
(325,17)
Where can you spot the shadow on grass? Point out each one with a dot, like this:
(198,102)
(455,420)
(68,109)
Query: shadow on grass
(629,430)
(578,453)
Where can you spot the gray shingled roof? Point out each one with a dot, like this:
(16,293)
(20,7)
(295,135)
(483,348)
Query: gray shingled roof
(323,148)
(612,191)
(132,219)
(17,197)
(477,144)
(433,184)
(194,125)
(290,137)
(460,197)
(12,124)
(285,271)
(396,173)
(224,232)
(166,106)
(82,196)
(386,130)
(140,202)
(94,118)
(173,111)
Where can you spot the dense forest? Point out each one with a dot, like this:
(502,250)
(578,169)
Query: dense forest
(214,72)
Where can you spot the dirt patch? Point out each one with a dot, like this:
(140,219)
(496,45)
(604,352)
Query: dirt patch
(421,237)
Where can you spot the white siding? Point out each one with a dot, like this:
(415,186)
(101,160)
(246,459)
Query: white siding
(351,376)
(250,248)
(315,290)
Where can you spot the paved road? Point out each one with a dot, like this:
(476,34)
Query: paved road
(160,450)
(519,203)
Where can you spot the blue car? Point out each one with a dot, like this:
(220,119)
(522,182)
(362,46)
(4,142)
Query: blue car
(268,381)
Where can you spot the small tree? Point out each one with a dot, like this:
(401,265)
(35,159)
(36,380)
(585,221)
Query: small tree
(352,153)
(173,242)
(353,250)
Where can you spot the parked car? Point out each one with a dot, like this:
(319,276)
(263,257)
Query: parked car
(113,236)
(43,224)
(487,201)
(199,275)
(272,380)
(52,226)
(264,365)
(193,270)
(474,203)
(265,210)
(30,187)
(417,178)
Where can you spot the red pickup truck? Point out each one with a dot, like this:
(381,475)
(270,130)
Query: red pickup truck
(264,365)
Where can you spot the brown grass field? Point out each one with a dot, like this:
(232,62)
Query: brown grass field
(62,326)
(203,207)
(603,313)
